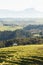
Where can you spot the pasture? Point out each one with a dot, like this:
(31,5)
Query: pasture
(22,55)
(9,28)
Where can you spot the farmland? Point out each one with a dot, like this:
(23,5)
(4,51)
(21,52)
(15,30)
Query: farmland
(9,28)
(22,55)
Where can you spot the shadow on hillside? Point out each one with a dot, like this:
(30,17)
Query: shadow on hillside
(24,61)
(33,60)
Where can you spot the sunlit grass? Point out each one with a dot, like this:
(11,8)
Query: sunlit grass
(9,28)
(22,55)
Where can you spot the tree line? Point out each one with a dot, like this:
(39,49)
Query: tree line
(21,41)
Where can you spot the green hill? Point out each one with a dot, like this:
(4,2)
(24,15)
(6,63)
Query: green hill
(22,55)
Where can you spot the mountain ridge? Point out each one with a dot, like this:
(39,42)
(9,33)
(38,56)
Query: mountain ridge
(29,12)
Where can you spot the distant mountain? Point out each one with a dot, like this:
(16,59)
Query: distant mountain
(27,13)
(21,21)
(25,17)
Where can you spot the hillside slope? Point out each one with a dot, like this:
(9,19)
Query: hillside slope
(22,55)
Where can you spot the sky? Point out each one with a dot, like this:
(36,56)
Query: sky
(18,5)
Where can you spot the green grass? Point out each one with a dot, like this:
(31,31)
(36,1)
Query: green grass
(9,28)
(22,55)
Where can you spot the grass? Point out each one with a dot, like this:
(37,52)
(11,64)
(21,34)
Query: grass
(9,28)
(22,55)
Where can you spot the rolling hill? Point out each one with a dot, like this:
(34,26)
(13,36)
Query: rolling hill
(22,55)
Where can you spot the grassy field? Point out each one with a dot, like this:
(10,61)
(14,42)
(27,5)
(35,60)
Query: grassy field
(22,55)
(9,28)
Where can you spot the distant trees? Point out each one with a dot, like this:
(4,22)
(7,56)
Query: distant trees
(29,27)
(21,41)
(8,43)
(7,35)
(21,37)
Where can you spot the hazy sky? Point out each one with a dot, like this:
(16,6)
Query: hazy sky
(21,4)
